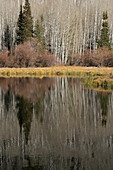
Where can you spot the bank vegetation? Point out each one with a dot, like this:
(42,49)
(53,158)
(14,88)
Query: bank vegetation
(70,32)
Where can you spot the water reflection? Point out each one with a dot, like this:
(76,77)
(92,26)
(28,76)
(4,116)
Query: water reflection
(24,114)
(54,123)
(104,102)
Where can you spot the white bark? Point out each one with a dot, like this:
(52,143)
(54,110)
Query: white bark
(68,23)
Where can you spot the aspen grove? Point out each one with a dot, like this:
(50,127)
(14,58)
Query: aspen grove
(69,26)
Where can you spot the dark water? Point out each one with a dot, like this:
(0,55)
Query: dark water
(54,124)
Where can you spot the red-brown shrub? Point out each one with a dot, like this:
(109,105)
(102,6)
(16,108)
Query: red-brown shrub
(29,54)
(102,57)
(3,59)
(32,54)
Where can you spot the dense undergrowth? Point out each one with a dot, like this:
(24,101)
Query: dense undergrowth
(29,54)
(102,57)
(32,54)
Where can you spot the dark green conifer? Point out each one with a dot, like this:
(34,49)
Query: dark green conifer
(20,30)
(39,30)
(104,38)
(27,21)
(8,38)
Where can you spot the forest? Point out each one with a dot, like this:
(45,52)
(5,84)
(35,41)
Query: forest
(37,33)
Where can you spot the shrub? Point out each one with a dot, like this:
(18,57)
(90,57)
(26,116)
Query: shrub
(29,54)
(102,57)
(32,54)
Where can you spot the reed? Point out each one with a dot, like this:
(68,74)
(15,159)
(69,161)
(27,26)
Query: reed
(92,75)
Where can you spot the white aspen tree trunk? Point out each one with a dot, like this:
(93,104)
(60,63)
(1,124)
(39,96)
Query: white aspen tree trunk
(0,33)
(84,39)
(68,40)
(63,47)
(95,29)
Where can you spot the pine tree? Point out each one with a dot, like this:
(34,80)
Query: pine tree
(39,31)
(27,21)
(8,38)
(20,30)
(104,38)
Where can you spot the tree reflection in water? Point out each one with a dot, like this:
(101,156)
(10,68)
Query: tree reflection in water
(104,102)
(54,123)
(25,113)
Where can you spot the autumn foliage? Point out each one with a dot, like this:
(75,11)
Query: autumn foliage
(102,57)
(33,54)
(29,54)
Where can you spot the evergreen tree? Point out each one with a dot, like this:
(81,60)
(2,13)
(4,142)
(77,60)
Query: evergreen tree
(20,30)
(39,31)
(8,38)
(27,21)
(104,38)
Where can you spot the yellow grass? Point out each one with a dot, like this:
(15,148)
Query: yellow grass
(100,74)
(62,69)
(59,70)
(92,75)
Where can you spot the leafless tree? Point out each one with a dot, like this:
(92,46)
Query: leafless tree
(71,26)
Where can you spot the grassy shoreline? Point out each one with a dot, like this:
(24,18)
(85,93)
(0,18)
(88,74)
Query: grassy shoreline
(92,76)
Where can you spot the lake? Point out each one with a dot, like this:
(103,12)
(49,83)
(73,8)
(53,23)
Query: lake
(54,124)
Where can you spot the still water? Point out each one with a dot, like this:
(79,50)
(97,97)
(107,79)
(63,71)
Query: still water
(54,124)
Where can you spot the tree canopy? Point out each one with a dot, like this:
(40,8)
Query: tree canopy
(25,23)
(104,38)
(20,30)
(39,30)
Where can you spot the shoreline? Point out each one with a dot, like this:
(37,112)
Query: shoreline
(93,76)
(57,70)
